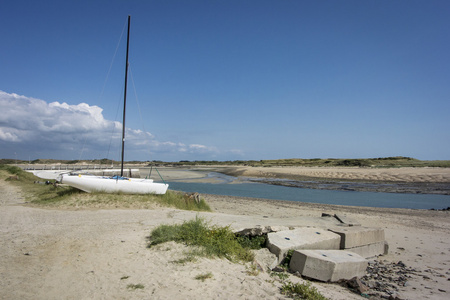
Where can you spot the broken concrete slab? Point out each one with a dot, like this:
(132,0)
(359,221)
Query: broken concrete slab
(358,236)
(265,260)
(328,265)
(259,230)
(279,243)
(345,220)
(371,250)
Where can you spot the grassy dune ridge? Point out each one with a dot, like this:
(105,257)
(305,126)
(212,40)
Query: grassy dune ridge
(381,162)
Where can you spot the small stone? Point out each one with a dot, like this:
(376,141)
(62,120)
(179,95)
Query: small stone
(278,269)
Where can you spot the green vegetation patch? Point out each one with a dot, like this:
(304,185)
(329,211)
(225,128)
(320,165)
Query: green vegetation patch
(301,291)
(203,277)
(255,243)
(211,240)
(381,162)
(135,286)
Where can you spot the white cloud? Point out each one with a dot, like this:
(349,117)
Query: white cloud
(202,148)
(61,130)
(7,135)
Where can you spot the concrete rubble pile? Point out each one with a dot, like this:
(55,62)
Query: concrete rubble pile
(332,254)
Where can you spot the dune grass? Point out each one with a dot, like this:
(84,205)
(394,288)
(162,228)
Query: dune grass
(209,240)
(37,193)
(203,277)
(301,291)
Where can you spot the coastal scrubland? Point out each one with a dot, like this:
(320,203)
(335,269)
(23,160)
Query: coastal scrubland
(381,162)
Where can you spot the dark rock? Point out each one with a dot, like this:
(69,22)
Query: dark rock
(278,269)
(356,284)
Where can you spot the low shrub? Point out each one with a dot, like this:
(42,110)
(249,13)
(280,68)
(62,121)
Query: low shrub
(254,243)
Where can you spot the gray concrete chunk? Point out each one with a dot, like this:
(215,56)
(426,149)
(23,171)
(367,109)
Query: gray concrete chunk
(345,220)
(265,259)
(358,236)
(328,265)
(301,238)
(259,230)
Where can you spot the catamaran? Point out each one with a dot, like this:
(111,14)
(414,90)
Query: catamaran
(115,184)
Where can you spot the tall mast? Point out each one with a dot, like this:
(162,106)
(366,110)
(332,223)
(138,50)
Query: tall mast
(125,97)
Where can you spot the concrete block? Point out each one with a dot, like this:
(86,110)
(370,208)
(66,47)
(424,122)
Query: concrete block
(358,236)
(371,250)
(265,260)
(301,238)
(328,265)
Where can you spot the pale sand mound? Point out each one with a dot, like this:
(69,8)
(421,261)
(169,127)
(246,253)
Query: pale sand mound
(369,174)
(97,254)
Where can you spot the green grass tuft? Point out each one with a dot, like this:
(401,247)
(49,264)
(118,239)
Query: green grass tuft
(203,277)
(255,243)
(135,286)
(214,241)
(287,259)
(301,291)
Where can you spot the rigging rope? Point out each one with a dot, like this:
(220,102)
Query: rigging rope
(103,89)
(113,59)
(139,107)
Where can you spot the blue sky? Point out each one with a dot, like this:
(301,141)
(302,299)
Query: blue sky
(226,80)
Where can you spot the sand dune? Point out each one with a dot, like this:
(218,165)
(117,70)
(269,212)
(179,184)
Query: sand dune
(369,174)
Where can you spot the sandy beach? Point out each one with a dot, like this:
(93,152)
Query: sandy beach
(99,253)
(351,173)
(390,180)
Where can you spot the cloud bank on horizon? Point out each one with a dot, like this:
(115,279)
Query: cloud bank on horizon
(33,128)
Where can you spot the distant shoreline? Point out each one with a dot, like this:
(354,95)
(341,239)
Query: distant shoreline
(413,180)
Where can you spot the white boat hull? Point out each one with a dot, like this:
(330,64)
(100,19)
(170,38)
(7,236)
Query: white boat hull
(55,174)
(89,183)
(47,174)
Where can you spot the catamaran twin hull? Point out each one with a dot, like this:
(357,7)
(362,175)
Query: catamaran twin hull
(89,183)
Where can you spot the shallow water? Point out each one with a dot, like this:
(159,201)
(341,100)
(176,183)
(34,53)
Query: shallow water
(275,192)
